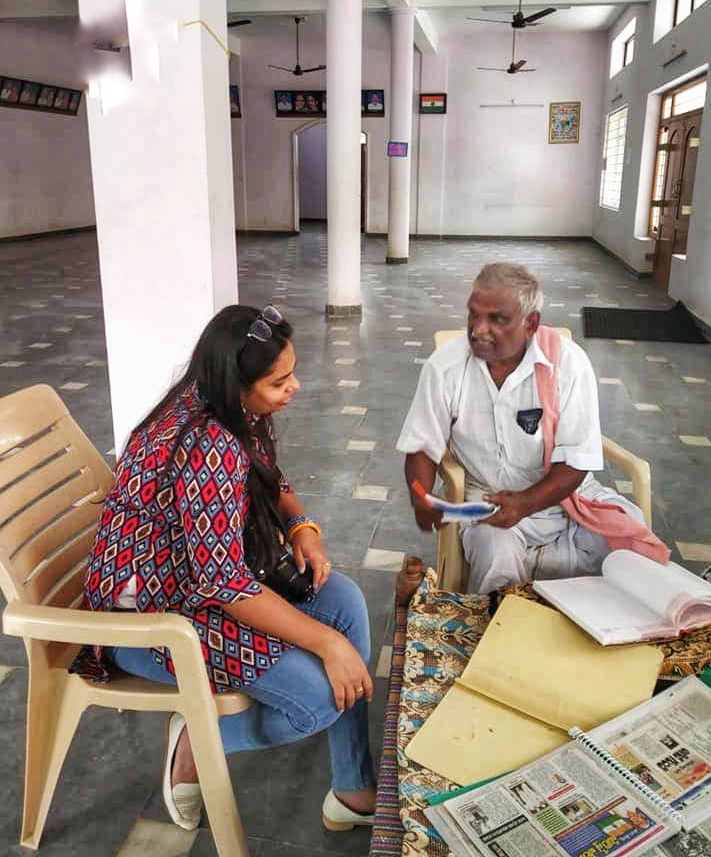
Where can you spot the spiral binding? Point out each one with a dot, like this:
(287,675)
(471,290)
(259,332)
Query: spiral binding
(596,749)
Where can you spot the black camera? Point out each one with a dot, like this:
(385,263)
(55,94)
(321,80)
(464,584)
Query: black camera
(286,581)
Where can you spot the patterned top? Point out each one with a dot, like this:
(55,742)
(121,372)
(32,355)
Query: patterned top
(177,530)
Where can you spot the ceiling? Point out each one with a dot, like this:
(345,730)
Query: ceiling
(441,19)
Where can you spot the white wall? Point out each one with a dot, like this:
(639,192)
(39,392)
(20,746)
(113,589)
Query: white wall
(476,171)
(312,172)
(261,141)
(623,231)
(500,174)
(45,173)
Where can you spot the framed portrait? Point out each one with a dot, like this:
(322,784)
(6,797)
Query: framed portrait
(29,93)
(235,106)
(10,90)
(372,102)
(61,99)
(300,102)
(46,96)
(564,122)
(74,101)
(433,102)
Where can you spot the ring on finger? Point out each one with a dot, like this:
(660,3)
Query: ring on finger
(359,691)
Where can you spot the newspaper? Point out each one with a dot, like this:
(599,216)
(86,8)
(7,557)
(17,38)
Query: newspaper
(573,802)
(563,804)
(667,745)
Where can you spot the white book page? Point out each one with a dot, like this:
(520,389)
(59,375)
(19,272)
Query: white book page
(667,589)
(607,613)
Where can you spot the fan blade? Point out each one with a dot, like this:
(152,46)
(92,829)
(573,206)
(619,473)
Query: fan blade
(315,68)
(529,19)
(281,68)
(488,20)
(239,23)
(489,68)
(519,65)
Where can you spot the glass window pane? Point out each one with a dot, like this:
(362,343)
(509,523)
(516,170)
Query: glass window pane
(691,98)
(613,159)
(682,10)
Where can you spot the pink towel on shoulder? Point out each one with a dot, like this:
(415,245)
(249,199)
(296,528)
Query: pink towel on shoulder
(619,529)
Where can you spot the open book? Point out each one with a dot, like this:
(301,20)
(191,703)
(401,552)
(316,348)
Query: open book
(468,510)
(533,675)
(639,784)
(635,599)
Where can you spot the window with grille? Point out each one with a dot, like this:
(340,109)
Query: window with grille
(613,158)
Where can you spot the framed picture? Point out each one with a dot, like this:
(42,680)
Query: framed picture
(235,107)
(46,96)
(433,102)
(10,90)
(74,101)
(297,102)
(29,93)
(61,99)
(564,122)
(372,102)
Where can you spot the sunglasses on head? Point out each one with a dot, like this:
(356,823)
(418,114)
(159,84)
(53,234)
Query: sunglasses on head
(261,328)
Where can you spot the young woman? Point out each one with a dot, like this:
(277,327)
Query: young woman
(192,516)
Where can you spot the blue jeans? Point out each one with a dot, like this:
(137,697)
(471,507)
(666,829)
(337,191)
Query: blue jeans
(294,699)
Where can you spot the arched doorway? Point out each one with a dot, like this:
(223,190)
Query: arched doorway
(310,190)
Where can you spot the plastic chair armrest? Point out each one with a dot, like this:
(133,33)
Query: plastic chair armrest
(64,625)
(637,469)
(452,474)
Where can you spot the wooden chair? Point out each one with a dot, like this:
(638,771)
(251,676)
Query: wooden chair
(452,569)
(52,484)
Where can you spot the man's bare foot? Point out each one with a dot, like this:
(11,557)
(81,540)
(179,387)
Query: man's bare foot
(408,579)
(362,802)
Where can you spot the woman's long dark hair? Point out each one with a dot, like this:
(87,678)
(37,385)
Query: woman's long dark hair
(225,363)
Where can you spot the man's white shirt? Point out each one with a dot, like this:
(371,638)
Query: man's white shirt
(457,404)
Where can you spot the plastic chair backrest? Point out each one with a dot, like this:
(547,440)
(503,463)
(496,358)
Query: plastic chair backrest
(52,485)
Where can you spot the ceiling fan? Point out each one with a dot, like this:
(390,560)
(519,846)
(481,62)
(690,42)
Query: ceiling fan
(520,20)
(297,70)
(514,67)
(239,22)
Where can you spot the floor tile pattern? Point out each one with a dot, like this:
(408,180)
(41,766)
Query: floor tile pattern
(337,446)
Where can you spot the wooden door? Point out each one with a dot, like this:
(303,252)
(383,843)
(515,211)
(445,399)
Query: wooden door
(682,134)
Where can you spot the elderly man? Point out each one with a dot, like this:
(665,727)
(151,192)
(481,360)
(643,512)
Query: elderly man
(517,406)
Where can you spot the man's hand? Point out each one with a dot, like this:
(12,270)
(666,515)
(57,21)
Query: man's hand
(512,508)
(426,517)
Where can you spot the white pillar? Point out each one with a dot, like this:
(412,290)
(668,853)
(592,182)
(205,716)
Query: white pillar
(401,71)
(161,165)
(344,29)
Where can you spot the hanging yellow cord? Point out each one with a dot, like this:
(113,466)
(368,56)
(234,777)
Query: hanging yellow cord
(211,32)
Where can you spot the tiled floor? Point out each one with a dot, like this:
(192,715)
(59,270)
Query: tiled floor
(337,446)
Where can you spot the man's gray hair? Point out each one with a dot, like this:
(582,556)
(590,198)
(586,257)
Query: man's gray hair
(530,296)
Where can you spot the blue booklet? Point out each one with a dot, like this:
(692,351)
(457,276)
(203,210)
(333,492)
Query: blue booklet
(469,510)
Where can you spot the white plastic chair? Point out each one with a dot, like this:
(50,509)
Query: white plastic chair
(52,485)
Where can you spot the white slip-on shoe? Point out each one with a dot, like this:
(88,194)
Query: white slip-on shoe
(336,815)
(183,801)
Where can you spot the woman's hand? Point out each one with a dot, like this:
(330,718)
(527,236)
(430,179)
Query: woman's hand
(346,671)
(308,547)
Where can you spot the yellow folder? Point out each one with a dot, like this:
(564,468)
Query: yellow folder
(532,677)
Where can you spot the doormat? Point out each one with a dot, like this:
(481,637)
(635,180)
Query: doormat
(652,325)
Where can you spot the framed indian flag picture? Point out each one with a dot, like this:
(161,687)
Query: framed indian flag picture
(433,102)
